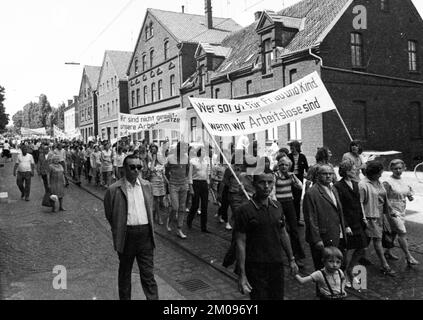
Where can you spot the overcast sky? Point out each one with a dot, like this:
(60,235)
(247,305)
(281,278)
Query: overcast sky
(37,37)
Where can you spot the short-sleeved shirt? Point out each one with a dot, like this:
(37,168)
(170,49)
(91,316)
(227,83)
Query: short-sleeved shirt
(24,162)
(333,279)
(263,230)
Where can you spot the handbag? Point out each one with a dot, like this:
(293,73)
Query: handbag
(47,202)
(388,239)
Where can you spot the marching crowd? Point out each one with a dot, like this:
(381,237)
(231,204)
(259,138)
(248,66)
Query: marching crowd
(341,216)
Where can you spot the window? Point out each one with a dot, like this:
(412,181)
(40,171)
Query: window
(108,109)
(111,82)
(172,86)
(412,56)
(116,82)
(138,97)
(117,106)
(153,92)
(193,129)
(384,5)
(202,77)
(145,95)
(108,88)
(133,98)
(292,75)
(160,85)
(144,62)
(136,66)
(416,116)
(357,50)
(151,58)
(268,56)
(115,132)
(294,130)
(113,107)
(216,93)
(359,129)
(166,50)
(249,83)
(151,30)
(272,134)
(147,32)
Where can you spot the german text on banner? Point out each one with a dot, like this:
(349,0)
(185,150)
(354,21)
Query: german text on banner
(302,99)
(129,123)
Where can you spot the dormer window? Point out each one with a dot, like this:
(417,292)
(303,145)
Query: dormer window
(267,56)
(357,50)
(151,30)
(202,79)
(384,5)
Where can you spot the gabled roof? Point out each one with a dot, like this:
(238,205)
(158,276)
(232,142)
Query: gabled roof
(93,73)
(288,22)
(120,61)
(318,16)
(215,50)
(192,28)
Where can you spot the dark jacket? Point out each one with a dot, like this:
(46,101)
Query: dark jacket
(116,210)
(43,165)
(324,221)
(302,165)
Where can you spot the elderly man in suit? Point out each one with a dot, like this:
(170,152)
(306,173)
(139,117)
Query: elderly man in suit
(323,215)
(44,160)
(128,206)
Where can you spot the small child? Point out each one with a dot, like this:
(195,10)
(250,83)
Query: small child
(330,280)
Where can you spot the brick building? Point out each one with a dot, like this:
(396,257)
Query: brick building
(373,73)
(88,102)
(163,59)
(112,92)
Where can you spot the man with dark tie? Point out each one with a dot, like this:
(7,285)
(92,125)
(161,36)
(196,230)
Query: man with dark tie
(128,206)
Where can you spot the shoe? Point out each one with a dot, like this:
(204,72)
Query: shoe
(221,220)
(22,196)
(228,226)
(391,256)
(365,262)
(168,226)
(300,224)
(180,234)
(205,231)
(26,199)
(412,262)
(348,283)
(387,271)
(62,209)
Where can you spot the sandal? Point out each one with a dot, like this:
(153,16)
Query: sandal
(387,271)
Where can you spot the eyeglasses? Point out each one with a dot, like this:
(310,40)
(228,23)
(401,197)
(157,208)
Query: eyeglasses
(133,167)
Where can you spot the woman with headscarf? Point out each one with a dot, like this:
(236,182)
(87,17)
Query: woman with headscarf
(57,181)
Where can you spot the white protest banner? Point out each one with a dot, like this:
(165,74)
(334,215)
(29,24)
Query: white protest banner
(129,123)
(58,133)
(302,99)
(28,132)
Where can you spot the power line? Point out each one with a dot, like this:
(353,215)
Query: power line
(107,27)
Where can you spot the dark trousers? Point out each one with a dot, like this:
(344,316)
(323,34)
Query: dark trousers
(45,182)
(267,280)
(87,169)
(201,192)
(316,254)
(36,155)
(292,224)
(297,202)
(138,245)
(23,181)
(223,210)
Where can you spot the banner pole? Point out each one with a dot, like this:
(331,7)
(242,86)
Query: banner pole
(229,165)
(345,126)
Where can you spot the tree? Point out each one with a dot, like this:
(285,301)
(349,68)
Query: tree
(18,120)
(4,117)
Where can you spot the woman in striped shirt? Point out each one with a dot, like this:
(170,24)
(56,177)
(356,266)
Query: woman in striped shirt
(285,180)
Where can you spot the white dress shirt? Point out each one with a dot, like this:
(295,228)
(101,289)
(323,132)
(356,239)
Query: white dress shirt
(137,212)
(25,162)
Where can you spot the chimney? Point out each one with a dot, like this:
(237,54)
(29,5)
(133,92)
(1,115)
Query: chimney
(183,9)
(257,15)
(70,102)
(209,17)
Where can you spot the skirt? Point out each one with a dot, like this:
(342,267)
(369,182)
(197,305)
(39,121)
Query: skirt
(374,228)
(158,186)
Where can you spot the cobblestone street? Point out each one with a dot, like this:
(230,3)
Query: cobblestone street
(33,240)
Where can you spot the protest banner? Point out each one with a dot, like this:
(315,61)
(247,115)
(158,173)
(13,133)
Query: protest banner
(35,132)
(302,99)
(129,123)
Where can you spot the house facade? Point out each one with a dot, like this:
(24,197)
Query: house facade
(112,89)
(70,116)
(88,103)
(372,71)
(164,58)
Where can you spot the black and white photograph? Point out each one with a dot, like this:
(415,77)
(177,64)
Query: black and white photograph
(223,152)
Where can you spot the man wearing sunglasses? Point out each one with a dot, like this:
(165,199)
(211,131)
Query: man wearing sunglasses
(128,205)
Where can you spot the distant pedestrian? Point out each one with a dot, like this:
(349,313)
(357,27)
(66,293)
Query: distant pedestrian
(6,151)
(354,155)
(299,168)
(261,237)
(43,166)
(106,159)
(57,181)
(62,153)
(128,205)
(24,167)
(158,182)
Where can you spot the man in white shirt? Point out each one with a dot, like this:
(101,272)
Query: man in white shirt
(24,167)
(128,205)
